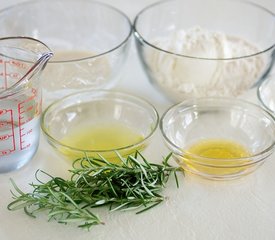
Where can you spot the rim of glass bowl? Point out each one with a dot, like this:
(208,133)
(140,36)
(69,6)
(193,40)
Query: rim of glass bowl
(259,94)
(143,40)
(125,40)
(119,94)
(192,104)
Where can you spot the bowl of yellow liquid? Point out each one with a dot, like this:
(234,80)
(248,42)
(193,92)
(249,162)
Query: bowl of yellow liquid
(99,124)
(219,138)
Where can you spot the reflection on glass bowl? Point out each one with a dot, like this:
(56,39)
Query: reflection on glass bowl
(266,94)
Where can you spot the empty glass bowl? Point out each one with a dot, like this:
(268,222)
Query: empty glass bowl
(89,39)
(99,123)
(219,138)
(205,48)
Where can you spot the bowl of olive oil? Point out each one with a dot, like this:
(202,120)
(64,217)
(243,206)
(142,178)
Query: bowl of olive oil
(97,124)
(219,138)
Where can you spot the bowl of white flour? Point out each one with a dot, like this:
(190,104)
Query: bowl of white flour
(205,48)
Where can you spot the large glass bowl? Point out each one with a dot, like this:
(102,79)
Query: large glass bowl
(204,48)
(113,123)
(219,138)
(89,39)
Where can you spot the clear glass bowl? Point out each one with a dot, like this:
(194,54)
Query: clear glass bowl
(90,41)
(224,121)
(205,48)
(266,93)
(125,121)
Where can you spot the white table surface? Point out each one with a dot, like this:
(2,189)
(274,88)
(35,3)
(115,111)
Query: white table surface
(199,209)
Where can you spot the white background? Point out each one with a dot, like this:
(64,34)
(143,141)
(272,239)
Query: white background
(199,209)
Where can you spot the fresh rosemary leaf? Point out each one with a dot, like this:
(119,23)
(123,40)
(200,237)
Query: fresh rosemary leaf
(135,183)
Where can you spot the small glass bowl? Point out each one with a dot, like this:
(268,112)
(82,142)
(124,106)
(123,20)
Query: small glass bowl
(205,48)
(97,111)
(223,120)
(90,41)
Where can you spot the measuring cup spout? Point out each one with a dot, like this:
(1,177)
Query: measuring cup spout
(35,69)
(22,59)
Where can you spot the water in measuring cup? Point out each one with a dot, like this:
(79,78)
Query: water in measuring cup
(18,142)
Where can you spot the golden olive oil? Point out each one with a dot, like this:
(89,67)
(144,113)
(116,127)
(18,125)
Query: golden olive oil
(102,139)
(217,157)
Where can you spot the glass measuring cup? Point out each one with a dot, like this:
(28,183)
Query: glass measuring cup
(22,60)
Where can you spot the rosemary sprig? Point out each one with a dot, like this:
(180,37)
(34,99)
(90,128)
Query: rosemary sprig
(133,184)
(53,196)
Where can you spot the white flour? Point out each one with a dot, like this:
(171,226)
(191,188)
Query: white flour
(183,77)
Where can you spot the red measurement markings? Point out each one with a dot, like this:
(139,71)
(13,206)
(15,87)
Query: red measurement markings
(18,64)
(7,138)
(26,111)
(23,135)
(5,75)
